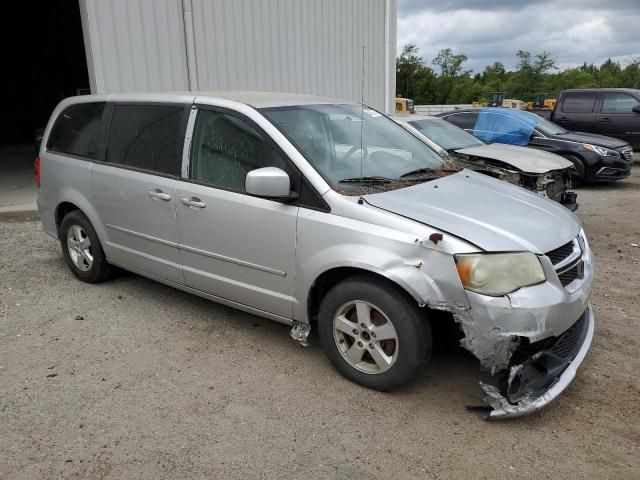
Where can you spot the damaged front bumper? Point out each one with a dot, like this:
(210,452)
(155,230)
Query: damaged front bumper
(518,336)
(537,381)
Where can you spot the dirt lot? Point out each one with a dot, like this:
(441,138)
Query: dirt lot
(132,379)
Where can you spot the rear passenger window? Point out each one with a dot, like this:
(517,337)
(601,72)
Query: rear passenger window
(226,148)
(76,130)
(579,102)
(146,137)
(619,103)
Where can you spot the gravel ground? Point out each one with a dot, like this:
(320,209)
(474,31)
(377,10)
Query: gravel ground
(132,379)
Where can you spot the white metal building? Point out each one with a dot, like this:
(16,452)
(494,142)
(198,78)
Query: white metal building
(300,46)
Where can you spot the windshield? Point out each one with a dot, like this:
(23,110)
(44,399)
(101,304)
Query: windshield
(346,142)
(544,126)
(548,128)
(446,135)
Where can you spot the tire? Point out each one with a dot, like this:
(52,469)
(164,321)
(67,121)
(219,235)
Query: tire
(82,250)
(581,170)
(356,351)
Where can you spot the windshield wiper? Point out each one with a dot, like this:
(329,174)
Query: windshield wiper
(375,179)
(419,171)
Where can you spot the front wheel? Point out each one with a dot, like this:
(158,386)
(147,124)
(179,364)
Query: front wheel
(373,334)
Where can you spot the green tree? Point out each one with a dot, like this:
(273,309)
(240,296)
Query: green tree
(451,74)
(449,82)
(408,67)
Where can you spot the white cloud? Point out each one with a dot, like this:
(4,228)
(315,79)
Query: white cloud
(574,31)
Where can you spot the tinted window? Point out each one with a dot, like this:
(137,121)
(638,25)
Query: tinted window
(618,103)
(463,120)
(76,130)
(579,102)
(146,137)
(226,148)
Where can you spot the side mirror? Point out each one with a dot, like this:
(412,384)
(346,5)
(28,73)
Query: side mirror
(271,182)
(636,108)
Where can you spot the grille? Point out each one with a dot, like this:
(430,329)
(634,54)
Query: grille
(560,253)
(568,276)
(569,342)
(628,154)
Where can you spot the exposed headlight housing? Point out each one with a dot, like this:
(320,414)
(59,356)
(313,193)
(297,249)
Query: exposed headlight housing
(602,151)
(497,274)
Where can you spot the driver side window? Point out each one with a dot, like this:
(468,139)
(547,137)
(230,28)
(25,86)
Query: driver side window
(226,147)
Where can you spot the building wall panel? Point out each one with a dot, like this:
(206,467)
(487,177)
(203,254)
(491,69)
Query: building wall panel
(300,46)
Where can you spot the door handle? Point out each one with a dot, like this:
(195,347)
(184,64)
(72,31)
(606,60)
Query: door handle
(193,202)
(605,119)
(159,195)
(563,119)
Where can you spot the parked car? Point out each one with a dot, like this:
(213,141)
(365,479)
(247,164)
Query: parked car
(614,112)
(544,173)
(300,208)
(596,157)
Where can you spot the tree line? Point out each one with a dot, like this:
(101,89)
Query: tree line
(446,81)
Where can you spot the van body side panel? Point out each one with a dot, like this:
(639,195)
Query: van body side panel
(140,228)
(64,179)
(239,247)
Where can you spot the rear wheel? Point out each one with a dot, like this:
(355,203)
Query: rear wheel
(579,175)
(82,250)
(373,334)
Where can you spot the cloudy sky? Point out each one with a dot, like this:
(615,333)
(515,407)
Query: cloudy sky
(574,31)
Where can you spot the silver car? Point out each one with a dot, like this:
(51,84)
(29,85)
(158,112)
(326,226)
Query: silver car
(543,172)
(320,213)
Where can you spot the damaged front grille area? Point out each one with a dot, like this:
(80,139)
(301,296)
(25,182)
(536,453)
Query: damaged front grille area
(560,253)
(569,276)
(567,261)
(569,342)
(545,371)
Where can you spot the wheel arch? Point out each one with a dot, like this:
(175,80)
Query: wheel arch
(73,200)
(327,279)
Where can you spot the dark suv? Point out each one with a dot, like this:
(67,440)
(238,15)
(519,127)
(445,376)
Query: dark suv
(609,111)
(596,157)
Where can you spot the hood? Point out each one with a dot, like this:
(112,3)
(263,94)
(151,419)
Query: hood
(524,159)
(592,138)
(493,215)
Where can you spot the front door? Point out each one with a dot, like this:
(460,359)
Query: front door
(233,245)
(134,190)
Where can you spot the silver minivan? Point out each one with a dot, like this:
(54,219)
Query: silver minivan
(323,214)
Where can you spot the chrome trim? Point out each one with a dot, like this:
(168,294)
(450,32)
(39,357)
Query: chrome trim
(510,411)
(142,235)
(186,148)
(610,168)
(236,261)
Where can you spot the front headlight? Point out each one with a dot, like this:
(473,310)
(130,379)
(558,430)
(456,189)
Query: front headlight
(602,151)
(497,274)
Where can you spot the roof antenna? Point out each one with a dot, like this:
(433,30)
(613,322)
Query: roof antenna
(362,116)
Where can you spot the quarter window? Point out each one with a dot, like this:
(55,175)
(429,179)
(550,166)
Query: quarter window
(76,130)
(146,137)
(579,102)
(226,148)
(619,103)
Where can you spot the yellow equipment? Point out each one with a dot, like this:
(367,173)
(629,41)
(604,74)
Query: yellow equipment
(404,106)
